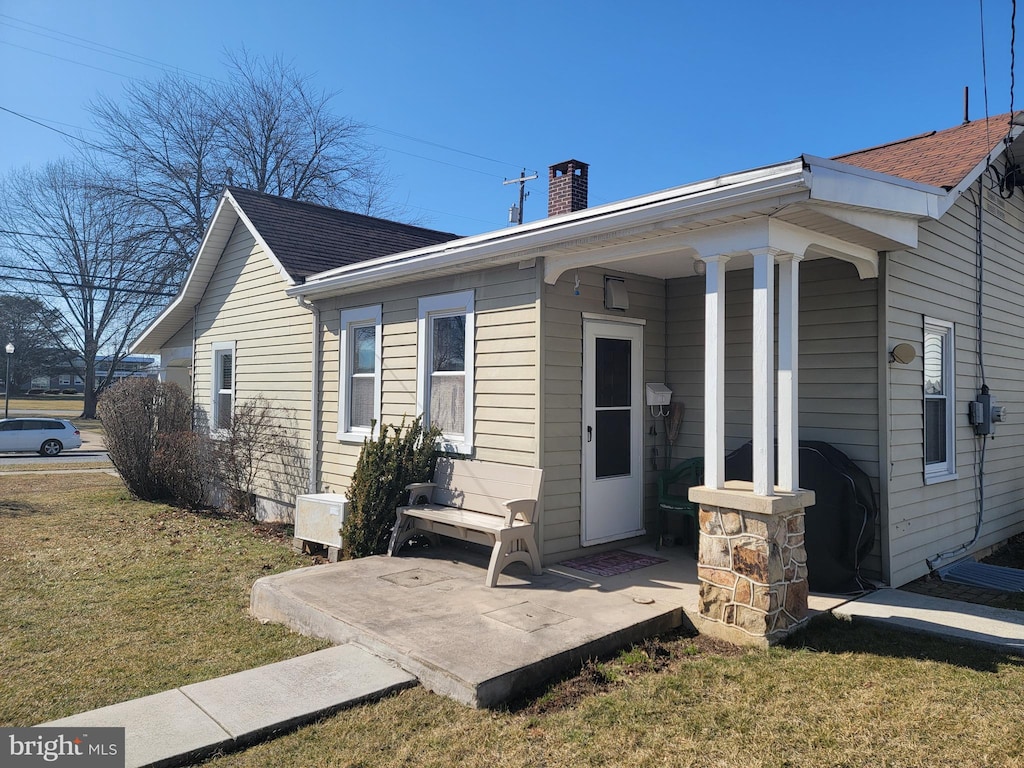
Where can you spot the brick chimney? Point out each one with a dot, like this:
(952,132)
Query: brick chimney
(567,187)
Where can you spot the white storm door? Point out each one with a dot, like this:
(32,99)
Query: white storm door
(612,431)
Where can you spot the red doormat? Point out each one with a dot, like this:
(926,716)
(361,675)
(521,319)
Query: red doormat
(612,563)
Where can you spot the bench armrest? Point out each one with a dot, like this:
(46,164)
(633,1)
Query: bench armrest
(524,508)
(420,489)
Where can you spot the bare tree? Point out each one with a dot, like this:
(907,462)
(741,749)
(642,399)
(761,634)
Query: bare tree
(165,140)
(177,142)
(86,253)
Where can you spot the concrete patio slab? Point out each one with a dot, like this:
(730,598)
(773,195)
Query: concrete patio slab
(431,614)
(950,619)
(193,722)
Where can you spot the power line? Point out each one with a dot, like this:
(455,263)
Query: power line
(96,47)
(441,162)
(51,128)
(171,68)
(68,273)
(64,58)
(443,146)
(87,286)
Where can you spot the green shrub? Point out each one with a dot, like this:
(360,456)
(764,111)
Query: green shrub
(387,464)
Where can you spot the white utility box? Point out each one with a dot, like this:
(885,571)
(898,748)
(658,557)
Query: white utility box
(319,517)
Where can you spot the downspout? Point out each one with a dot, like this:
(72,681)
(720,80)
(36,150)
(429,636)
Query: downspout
(192,369)
(314,394)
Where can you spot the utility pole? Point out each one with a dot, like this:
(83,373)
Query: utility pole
(515,214)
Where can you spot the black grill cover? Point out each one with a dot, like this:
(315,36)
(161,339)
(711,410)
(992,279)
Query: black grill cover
(840,527)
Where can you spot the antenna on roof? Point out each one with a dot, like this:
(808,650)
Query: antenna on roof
(967,104)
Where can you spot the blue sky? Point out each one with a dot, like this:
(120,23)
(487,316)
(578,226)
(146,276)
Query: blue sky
(461,95)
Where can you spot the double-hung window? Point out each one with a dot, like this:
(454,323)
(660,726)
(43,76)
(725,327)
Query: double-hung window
(222,396)
(939,401)
(444,363)
(359,393)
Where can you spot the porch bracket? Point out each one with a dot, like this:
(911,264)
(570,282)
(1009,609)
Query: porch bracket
(790,238)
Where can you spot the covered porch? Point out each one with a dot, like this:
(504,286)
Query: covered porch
(725,337)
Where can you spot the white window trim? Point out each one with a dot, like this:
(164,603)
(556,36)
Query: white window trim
(350,319)
(216,348)
(942,471)
(447,304)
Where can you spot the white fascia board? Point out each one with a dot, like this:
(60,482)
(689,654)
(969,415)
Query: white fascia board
(835,182)
(970,178)
(180,308)
(218,232)
(531,239)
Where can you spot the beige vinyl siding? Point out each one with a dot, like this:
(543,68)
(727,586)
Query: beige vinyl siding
(245,303)
(938,280)
(506,363)
(563,396)
(838,374)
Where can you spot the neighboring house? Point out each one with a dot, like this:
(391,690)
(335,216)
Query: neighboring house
(532,345)
(71,377)
(246,335)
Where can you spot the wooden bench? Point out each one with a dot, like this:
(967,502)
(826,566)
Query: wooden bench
(478,501)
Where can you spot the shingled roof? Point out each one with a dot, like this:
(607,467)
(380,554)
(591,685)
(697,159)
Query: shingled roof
(308,238)
(939,158)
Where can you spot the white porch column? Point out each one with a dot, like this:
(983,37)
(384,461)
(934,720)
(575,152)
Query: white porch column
(764,372)
(714,371)
(789,406)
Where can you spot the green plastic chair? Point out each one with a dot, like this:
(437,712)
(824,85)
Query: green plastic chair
(673,489)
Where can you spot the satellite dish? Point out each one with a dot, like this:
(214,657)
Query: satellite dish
(904,354)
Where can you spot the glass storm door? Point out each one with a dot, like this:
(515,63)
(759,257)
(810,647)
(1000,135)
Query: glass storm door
(612,431)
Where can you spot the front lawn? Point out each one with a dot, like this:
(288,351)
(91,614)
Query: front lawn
(842,695)
(104,598)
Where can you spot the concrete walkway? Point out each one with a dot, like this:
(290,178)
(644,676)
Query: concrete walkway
(196,721)
(996,628)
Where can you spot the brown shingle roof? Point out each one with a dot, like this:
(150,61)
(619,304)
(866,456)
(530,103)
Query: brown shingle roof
(308,238)
(939,158)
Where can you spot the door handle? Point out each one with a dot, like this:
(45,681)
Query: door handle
(590,434)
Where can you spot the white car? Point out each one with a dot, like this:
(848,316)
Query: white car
(47,437)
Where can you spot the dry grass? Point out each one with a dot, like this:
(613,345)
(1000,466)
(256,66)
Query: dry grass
(116,598)
(106,598)
(48,465)
(839,695)
(57,405)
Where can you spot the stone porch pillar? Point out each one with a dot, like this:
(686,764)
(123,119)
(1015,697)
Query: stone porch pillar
(752,565)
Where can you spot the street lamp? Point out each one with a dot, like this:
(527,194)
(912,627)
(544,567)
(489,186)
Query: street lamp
(7,380)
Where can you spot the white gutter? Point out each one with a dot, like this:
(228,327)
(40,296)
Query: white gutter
(530,240)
